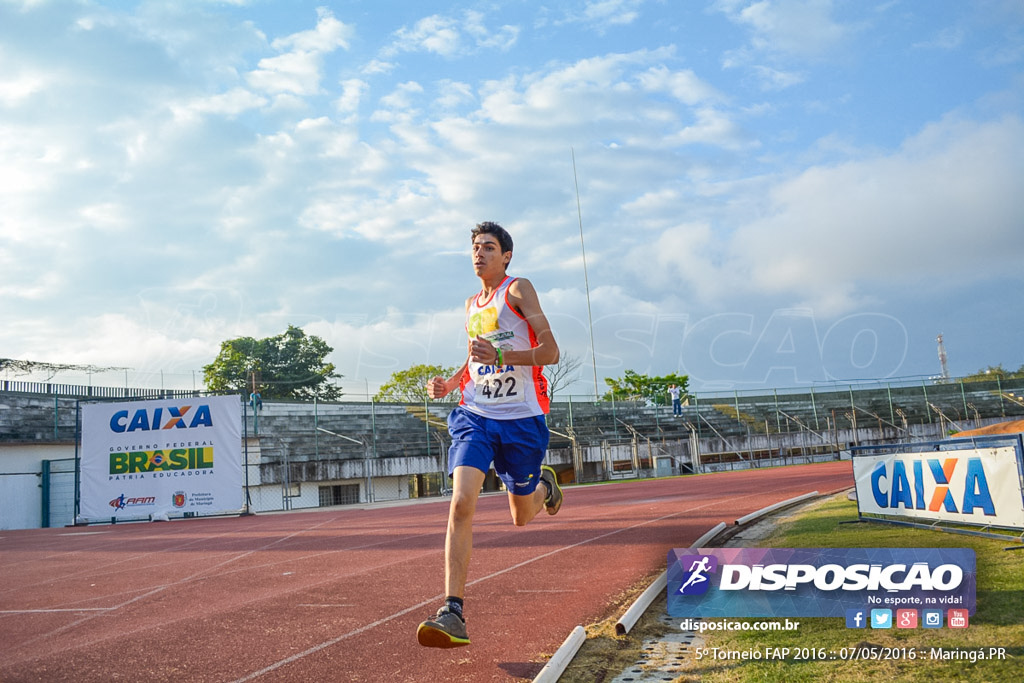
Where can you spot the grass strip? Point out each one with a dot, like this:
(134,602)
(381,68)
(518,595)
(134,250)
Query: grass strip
(997,623)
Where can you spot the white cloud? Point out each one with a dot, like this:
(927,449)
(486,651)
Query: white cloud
(449,36)
(684,85)
(328,36)
(352,91)
(789,27)
(946,204)
(298,70)
(105,216)
(503,39)
(775,79)
(297,180)
(402,97)
(602,16)
(293,72)
(431,34)
(454,94)
(230,104)
(15,89)
(611,12)
(948,38)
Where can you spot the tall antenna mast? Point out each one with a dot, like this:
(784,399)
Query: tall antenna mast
(586,280)
(942,359)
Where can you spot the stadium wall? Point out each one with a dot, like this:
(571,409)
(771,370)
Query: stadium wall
(304,455)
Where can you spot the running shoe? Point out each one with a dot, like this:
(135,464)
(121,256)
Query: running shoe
(554,500)
(446,629)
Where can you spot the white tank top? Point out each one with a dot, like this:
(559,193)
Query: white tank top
(507,392)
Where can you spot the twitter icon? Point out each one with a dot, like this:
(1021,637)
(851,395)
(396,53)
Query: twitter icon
(881,618)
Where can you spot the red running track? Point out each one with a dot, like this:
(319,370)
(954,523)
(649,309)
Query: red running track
(335,595)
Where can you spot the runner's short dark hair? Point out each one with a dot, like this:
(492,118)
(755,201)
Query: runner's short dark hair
(489,228)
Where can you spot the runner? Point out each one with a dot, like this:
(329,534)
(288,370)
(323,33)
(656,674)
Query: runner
(500,418)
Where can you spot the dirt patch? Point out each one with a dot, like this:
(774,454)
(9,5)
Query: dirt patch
(605,655)
(1013,427)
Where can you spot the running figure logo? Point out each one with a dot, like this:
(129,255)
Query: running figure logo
(697,568)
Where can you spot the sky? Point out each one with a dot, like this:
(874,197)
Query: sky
(757,194)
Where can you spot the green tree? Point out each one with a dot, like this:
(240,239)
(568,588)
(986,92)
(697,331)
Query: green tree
(410,385)
(289,365)
(992,373)
(633,386)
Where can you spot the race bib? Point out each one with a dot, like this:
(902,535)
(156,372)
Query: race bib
(499,385)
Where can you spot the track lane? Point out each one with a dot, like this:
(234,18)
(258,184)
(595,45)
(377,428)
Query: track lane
(337,594)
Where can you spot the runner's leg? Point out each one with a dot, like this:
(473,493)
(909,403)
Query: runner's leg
(458,546)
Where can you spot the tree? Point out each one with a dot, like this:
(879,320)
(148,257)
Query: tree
(289,365)
(561,373)
(992,373)
(27,367)
(636,387)
(410,385)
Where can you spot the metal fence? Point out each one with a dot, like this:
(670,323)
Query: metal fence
(299,446)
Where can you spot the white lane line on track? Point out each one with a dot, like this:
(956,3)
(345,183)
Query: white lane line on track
(160,589)
(340,604)
(362,629)
(49,611)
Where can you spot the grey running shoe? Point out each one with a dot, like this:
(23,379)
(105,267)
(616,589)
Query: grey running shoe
(554,500)
(446,629)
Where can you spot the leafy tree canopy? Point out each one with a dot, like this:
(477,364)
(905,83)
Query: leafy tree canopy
(634,386)
(992,373)
(410,385)
(290,365)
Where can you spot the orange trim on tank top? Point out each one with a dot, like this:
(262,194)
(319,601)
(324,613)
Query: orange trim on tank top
(476,302)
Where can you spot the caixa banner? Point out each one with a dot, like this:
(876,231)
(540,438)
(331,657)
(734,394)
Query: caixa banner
(817,582)
(963,481)
(166,457)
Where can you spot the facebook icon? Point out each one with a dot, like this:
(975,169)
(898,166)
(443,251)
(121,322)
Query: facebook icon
(856,618)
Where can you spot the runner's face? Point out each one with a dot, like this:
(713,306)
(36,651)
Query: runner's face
(487,255)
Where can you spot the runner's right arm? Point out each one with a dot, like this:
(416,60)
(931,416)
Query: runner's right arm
(439,387)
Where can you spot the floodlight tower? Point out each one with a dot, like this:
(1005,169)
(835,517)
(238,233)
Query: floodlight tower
(942,359)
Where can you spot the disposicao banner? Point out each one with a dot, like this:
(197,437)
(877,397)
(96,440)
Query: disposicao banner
(817,582)
(165,457)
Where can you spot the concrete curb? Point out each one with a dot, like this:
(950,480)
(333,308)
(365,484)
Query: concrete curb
(632,615)
(772,508)
(555,667)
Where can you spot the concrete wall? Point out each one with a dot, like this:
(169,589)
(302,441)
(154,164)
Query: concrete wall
(21,502)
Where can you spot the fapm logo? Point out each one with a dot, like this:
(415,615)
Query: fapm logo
(147,420)
(899,488)
(136,462)
(122,501)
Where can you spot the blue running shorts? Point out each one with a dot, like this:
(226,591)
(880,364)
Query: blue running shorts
(516,447)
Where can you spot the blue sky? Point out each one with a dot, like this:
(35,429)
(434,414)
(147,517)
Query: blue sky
(772,193)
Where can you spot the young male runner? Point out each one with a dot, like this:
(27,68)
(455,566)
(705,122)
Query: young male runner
(500,418)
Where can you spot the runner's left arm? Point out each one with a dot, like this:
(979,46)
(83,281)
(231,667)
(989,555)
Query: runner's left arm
(523,297)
